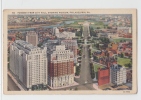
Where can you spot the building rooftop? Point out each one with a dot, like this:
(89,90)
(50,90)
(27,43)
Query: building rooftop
(116,67)
(31,33)
(68,41)
(25,44)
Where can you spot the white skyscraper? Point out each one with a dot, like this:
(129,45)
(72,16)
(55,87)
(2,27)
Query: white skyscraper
(29,63)
(117,74)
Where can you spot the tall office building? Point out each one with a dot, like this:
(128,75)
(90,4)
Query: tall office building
(29,63)
(32,37)
(117,74)
(61,66)
(72,46)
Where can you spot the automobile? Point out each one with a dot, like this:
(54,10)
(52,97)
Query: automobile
(85,82)
(115,86)
(107,89)
(121,89)
(120,85)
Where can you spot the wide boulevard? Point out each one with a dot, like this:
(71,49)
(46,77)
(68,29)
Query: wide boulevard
(85,79)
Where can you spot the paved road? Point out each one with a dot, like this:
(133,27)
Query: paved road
(85,79)
(85,76)
(11,85)
(87,86)
(85,31)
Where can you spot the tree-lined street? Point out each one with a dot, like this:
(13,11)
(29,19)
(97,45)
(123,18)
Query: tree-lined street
(85,80)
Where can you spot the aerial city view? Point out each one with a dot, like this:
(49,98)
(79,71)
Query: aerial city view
(69,52)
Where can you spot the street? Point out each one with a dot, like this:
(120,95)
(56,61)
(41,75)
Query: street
(11,85)
(85,76)
(85,30)
(85,79)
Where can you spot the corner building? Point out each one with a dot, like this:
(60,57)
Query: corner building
(28,63)
(61,66)
(103,76)
(117,74)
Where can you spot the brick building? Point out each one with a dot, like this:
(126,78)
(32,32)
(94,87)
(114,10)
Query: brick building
(127,35)
(103,76)
(114,46)
(61,66)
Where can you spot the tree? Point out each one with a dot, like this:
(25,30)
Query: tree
(77,70)
(129,65)
(76,88)
(98,27)
(122,55)
(97,45)
(8,66)
(92,71)
(95,58)
(90,52)
(39,45)
(80,52)
(116,58)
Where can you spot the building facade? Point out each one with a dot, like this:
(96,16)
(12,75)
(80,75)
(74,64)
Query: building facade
(117,74)
(28,63)
(32,37)
(72,46)
(55,31)
(125,29)
(103,76)
(67,35)
(104,35)
(61,66)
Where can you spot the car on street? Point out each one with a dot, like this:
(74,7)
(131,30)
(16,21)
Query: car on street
(107,89)
(115,86)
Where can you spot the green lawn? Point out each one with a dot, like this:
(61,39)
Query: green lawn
(119,39)
(123,61)
(74,24)
(97,24)
(97,66)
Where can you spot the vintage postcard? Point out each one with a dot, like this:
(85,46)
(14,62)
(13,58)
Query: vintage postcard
(70,51)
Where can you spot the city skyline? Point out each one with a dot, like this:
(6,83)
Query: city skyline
(70,52)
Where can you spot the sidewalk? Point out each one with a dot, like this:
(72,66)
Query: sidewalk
(77,76)
(74,84)
(22,89)
(95,86)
